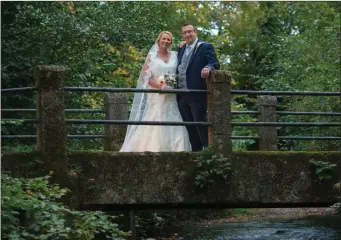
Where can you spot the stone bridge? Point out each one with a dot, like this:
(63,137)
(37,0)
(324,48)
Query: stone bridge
(134,180)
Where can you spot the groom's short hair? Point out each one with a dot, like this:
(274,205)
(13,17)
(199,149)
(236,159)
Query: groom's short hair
(188,24)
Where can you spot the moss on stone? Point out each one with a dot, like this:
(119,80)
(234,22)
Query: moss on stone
(135,178)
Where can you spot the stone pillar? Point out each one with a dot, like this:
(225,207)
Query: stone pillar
(116,108)
(267,113)
(51,131)
(219,111)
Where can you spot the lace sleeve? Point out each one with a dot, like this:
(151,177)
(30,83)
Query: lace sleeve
(146,71)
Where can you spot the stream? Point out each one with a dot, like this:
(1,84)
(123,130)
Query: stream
(309,228)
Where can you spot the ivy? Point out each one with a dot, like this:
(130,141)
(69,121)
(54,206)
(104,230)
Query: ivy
(323,169)
(208,169)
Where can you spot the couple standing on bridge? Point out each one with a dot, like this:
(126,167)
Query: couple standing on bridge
(192,65)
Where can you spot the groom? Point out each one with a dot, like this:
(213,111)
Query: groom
(196,59)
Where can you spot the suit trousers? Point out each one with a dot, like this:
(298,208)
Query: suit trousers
(192,109)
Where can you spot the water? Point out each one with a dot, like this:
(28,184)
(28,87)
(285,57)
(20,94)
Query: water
(315,228)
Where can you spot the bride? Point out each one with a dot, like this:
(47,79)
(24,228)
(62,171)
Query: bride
(156,106)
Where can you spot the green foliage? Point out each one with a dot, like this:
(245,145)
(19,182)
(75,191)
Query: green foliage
(241,103)
(264,45)
(207,170)
(323,169)
(238,212)
(31,210)
(102,43)
(15,146)
(287,46)
(209,150)
(5,123)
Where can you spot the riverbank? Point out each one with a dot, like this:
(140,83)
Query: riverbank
(170,225)
(264,214)
(265,224)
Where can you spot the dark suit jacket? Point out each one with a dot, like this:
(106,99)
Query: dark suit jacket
(203,56)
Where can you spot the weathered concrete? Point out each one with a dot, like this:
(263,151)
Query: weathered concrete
(116,108)
(219,111)
(267,113)
(51,131)
(165,178)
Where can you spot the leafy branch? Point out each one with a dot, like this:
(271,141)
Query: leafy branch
(31,210)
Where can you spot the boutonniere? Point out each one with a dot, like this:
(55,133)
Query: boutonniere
(197,46)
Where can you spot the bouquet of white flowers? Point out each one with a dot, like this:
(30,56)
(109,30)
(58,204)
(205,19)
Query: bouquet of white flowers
(168,79)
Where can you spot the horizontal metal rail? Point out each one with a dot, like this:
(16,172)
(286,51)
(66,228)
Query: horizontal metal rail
(243,112)
(309,113)
(85,136)
(102,110)
(84,110)
(233,137)
(126,122)
(245,137)
(22,89)
(35,136)
(100,89)
(290,137)
(66,110)
(287,124)
(285,93)
(235,92)
(18,110)
(291,113)
(307,138)
(172,123)
(18,136)
(233,112)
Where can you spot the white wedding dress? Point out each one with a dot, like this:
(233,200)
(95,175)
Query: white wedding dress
(158,107)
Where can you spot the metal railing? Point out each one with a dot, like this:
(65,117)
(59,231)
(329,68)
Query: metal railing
(94,136)
(234,92)
(99,110)
(171,123)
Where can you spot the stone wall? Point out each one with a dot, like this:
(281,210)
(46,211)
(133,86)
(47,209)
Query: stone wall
(256,178)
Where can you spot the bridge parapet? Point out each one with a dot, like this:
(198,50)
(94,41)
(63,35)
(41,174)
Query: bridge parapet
(256,179)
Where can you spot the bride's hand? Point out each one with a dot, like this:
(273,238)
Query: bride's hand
(162,84)
(154,83)
(166,87)
(182,43)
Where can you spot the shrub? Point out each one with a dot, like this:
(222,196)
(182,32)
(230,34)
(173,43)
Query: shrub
(30,210)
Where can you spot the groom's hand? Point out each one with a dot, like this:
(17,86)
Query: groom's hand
(205,72)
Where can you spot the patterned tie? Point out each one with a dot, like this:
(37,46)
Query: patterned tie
(188,50)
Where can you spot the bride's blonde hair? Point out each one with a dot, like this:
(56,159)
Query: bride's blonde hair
(165,32)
